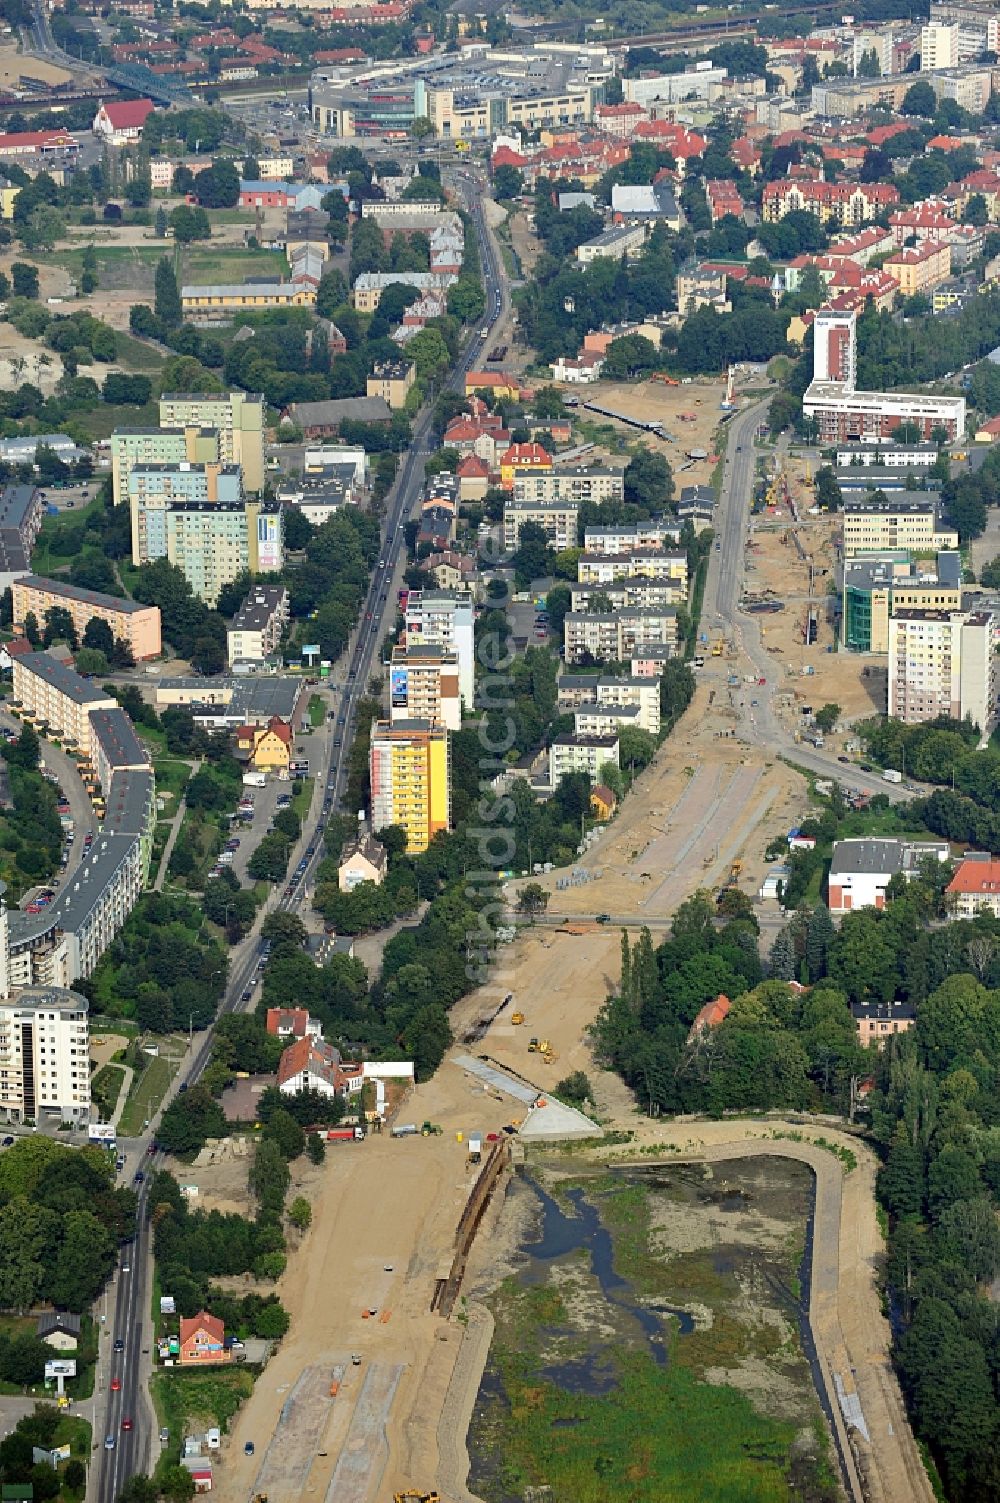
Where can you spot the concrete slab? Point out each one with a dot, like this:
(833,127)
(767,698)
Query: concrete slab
(548,1123)
(555,1122)
(362,1460)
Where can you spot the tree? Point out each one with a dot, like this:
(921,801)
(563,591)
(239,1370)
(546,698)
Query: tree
(781,960)
(284,930)
(300,1213)
(828,493)
(826,717)
(24,279)
(532,899)
(508,182)
(315,1148)
(99,637)
(189,223)
(649,481)
(281,1128)
(575,1088)
(160,223)
(819,934)
(919,99)
(218,187)
(167,299)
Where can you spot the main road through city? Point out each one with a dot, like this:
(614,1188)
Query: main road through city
(129,1316)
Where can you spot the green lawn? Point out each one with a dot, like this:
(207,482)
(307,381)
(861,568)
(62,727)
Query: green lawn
(317,711)
(148,1090)
(138,356)
(231,264)
(172,777)
(72,258)
(102,420)
(105,1088)
(194,1400)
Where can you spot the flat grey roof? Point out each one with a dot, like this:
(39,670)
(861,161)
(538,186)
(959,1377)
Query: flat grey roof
(15,504)
(258,608)
(117,739)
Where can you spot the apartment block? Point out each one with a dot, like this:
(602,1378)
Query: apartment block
(239,418)
(440,618)
(908,519)
(558,518)
(640,537)
(570,484)
(627,594)
(938,47)
(944,663)
(153,488)
(606,568)
(45,1056)
(423,685)
(21,511)
(616,242)
(604,720)
(392,380)
(150,446)
(410,770)
(258,625)
(877,586)
(582,754)
(47,691)
(612,637)
(919,268)
(212,544)
(138,625)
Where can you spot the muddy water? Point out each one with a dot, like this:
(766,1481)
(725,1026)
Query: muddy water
(705,1267)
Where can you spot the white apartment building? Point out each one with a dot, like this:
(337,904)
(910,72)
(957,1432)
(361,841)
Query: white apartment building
(909,519)
(578,691)
(258,625)
(604,720)
(423,685)
(643,536)
(611,637)
(438,618)
(582,754)
(944,663)
(44,1056)
(558,518)
(571,483)
(628,594)
(938,47)
(642,563)
(47,691)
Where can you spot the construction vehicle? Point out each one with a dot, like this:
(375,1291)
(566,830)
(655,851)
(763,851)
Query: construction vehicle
(717,648)
(414,1495)
(517,1018)
(532,1046)
(548,1058)
(544,1047)
(430,1129)
(664,379)
(735,870)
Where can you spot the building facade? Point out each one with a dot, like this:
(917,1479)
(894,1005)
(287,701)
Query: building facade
(45,1056)
(237,416)
(410,770)
(258,625)
(138,625)
(423,685)
(440,618)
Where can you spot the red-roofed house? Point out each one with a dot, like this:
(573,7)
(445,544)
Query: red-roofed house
(883,133)
(26,143)
(290,1022)
(746,155)
(311,1064)
(975,887)
(269,747)
(851,203)
(619,120)
(986,433)
(723,198)
(122,122)
(943,143)
(202,1339)
(523,459)
(924,223)
(710,1016)
(473,478)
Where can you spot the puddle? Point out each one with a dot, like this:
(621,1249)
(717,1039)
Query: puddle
(563,1235)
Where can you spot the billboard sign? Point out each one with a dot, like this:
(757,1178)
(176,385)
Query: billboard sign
(101,1132)
(398,696)
(269,542)
(60,1367)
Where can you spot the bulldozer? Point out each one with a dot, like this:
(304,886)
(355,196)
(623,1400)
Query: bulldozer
(532,1046)
(430,1129)
(413,1495)
(517,1018)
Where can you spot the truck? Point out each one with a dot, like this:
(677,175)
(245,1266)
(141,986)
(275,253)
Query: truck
(344,1135)
(254,779)
(405,1130)
(891,775)
(475,1147)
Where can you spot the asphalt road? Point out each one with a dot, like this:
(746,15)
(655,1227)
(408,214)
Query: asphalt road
(130,1321)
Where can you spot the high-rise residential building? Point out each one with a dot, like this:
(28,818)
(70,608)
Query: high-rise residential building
(44,1056)
(410,769)
(132,446)
(138,625)
(439,618)
(153,488)
(938,47)
(944,663)
(841,412)
(239,418)
(558,519)
(423,685)
(212,544)
(877,585)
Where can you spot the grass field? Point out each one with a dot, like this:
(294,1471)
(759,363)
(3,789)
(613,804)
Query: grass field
(172,776)
(194,1400)
(317,710)
(105,1088)
(103,420)
(138,356)
(148,1090)
(231,265)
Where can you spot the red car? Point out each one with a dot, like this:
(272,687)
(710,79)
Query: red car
(116,1384)
(126,1423)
